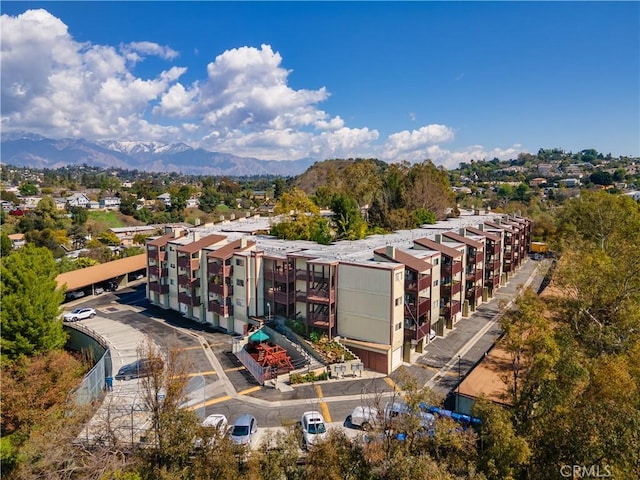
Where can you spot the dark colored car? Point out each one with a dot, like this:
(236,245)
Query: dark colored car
(140,368)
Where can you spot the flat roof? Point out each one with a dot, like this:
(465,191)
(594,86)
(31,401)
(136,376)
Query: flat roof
(202,243)
(100,273)
(462,239)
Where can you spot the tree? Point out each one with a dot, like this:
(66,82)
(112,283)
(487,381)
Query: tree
(209,199)
(428,187)
(504,454)
(601,177)
(31,301)
(79,215)
(108,237)
(128,204)
(6,245)
(346,215)
(27,188)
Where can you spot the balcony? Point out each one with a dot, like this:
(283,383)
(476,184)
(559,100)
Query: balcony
(451,311)
(419,310)
(157,255)
(496,248)
(220,309)
(418,285)
(451,270)
(221,289)
(284,297)
(320,295)
(219,269)
(184,262)
(159,287)
(286,276)
(322,320)
(417,333)
(474,275)
(314,277)
(194,301)
(450,289)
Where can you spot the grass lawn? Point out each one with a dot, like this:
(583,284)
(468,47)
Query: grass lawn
(111,218)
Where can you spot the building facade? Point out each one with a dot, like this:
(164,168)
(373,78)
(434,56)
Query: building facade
(385,297)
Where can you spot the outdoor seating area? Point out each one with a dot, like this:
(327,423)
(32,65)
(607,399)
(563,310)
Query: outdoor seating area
(268,354)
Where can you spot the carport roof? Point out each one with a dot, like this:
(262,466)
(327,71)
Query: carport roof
(100,273)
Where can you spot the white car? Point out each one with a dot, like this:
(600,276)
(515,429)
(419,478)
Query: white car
(365,417)
(79,314)
(313,428)
(215,421)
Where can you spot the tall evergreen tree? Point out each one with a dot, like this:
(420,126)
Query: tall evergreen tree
(31,301)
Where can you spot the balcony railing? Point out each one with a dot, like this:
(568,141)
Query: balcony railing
(418,285)
(450,270)
(301,274)
(323,320)
(450,289)
(420,309)
(159,287)
(219,269)
(417,333)
(158,256)
(220,309)
(320,295)
(449,312)
(184,262)
(284,297)
(194,301)
(221,289)
(285,276)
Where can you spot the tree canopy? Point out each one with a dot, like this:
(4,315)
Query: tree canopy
(31,301)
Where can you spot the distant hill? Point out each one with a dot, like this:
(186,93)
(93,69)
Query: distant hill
(32,150)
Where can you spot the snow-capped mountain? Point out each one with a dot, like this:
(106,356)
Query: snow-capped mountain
(32,150)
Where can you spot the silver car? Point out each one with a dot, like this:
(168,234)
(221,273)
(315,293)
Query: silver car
(244,429)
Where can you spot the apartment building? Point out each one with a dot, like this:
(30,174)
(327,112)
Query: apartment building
(383,296)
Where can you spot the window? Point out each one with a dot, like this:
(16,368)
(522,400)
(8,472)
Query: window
(173,265)
(398,276)
(170,248)
(398,326)
(240,282)
(435,283)
(240,262)
(435,303)
(436,261)
(239,302)
(171,282)
(398,301)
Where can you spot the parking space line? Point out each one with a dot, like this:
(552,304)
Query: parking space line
(199,347)
(250,390)
(197,374)
(213,401)
(323,405)
(235,369)
(392,384)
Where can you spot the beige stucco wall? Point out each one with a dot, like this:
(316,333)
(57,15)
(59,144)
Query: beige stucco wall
(366,303)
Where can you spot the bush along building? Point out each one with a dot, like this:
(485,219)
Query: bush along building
(385,296)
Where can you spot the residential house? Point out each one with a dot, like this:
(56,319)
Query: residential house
(111,203)
(78,200)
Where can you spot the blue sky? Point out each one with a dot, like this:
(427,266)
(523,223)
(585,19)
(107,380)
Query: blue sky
(449,81)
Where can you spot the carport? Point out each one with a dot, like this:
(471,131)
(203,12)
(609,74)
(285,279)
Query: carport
(122,272)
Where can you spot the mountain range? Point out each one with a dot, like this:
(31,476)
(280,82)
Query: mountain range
(25,149)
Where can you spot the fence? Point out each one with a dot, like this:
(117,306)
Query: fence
(261,374)
(93,383)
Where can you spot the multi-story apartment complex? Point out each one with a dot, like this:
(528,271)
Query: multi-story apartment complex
(384,296)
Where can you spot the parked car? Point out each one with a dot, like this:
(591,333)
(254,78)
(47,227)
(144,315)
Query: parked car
(395,414)
(215,421)
(313,428)
(75,295)
(364,417)
(79,314)
(140,368)
(98,290)
(244,429)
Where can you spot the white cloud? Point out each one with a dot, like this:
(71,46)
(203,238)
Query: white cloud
(56,86)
